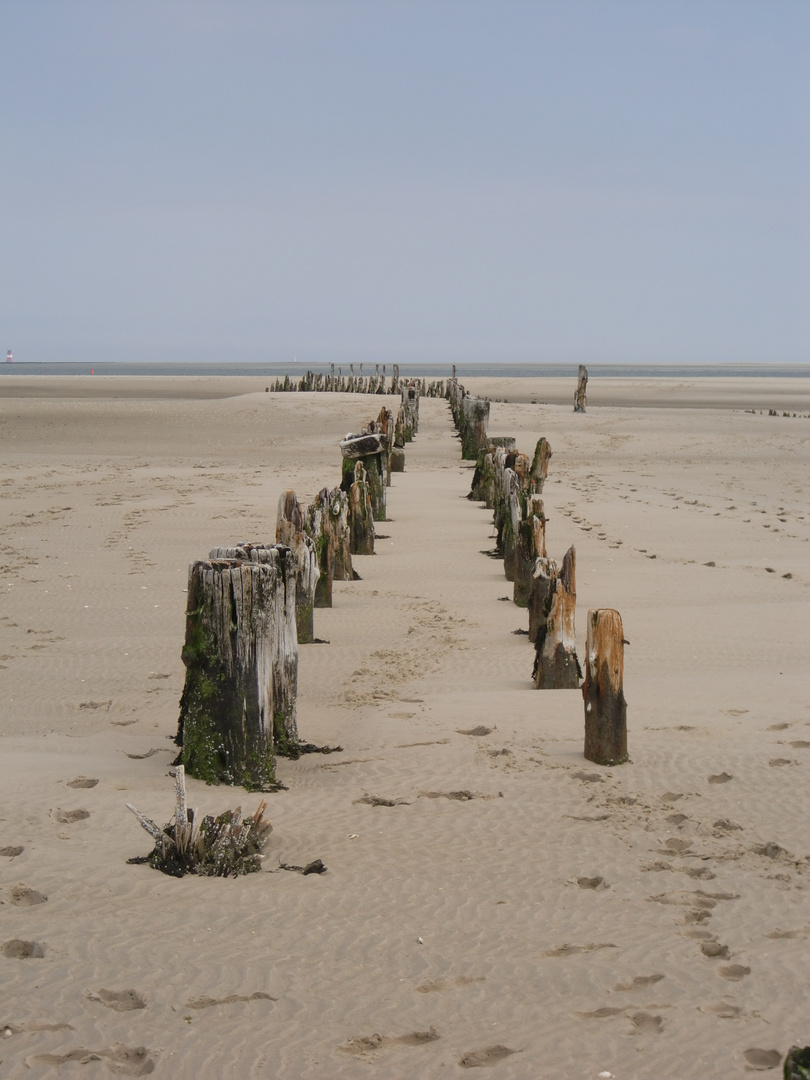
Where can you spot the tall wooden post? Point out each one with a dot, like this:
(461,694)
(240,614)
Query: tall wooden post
(473,424)
(530,546)
(603,689)
(361,517)
(241,658)
(290,531)
(556,665)
(580,399)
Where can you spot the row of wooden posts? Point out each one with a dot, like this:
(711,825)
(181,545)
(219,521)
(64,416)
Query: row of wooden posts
(510,483)
(338,383)
(251,605)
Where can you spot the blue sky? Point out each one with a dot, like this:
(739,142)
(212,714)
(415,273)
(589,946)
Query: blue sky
(575,181)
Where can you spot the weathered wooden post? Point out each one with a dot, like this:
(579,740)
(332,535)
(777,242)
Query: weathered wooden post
(539,467)
(327,523)
(361,517)
(397,459)
(473,426)
(603,690)
(580,399)
(290,531)
(241,658)
(410,410)
(543,578)
(556,665)
(370,447)
(530,546)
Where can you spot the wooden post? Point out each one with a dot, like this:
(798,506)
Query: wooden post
(410,410)
(556,665)
(544,577)
(241,658)
(397,459)
(539,468)
(474,420)
(290,532)
(371,447)
(603,690)
(361,517)
(580,399)
(530,546)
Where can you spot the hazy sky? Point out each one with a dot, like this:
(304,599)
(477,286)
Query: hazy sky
(549,180)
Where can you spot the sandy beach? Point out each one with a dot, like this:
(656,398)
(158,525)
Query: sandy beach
(517,908)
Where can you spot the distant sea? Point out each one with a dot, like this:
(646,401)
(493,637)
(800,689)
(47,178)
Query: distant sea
(428,371)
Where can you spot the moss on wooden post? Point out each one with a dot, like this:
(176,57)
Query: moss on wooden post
(361,517)
(603,689)
(241,658)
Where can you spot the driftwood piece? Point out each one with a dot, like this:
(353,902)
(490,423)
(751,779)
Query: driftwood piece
(361,516)
(310,590)
(241,657)
(556,665)
(603,689)
(530,546)
(580,398)
(539,466)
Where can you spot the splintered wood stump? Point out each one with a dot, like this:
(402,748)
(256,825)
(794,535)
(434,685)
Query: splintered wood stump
(290,531)
(510,519)
(539,469)
(580,399)
(556,665)
(603,690)
(361,516)
(473,423)
(544,576)
(241,658)
(483,480)
(530,546)
(328,524)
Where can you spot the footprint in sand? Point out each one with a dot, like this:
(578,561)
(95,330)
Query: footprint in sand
(82,782)
(22,896)
(639,982)
(646,1024)
(68,817)
(589,778)
(734,972)
(599,1014)
(724,1009)
(573,950)
(369,1046)
(23,950)
(118,1000)
(714,950)
(485,1057)
(12,851)
(762,1059)
(231,999)
(123,1060)
(433,986)
(592,883)
(720,778)
(781,761)
(480,730)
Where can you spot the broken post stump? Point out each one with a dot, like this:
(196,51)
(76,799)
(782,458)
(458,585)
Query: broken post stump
(556,665)
(372,449)
(327,522)
(409,410)
(290,531)
(530,546)
(539,466)
(241,658)
(580,399)
(603,691)
(361,516)
(397,459)
(544,574)
(473,422)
